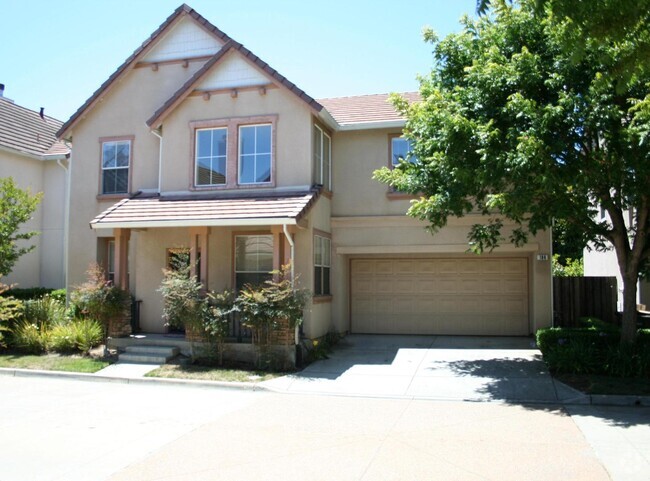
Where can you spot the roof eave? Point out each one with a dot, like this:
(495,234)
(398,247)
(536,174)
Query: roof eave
(31,155)
(380,124)
(257,221)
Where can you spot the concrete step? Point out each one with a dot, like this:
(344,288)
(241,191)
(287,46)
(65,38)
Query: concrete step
(142,358)
(146,349)
(148,354)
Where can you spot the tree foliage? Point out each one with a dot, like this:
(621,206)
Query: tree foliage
(16,208)
(513,126)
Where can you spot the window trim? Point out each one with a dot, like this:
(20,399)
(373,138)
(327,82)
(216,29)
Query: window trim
(320,297)
(323,133)
(232,125)
(100,186)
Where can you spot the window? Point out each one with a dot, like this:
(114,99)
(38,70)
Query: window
(322,158)
(255,154)
(110,261)
(211,154)
(253,259)
(399,150)
(116,157)
(322,265)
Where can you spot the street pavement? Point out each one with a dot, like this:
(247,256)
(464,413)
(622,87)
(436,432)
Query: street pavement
(63,429)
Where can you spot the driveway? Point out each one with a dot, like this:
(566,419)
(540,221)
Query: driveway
(508,369)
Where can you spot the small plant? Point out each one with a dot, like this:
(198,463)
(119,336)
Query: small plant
(30,337)
(221,307)
(45,311)
(100,300)
(10,310)
(268,309)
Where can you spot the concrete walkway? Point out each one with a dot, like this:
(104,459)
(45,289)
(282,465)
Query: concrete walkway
(507,369)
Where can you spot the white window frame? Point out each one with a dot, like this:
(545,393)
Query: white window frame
(269,153)
(322,165)
(116,167)
(323,245)
(236,268)
(395,162)
(211,157)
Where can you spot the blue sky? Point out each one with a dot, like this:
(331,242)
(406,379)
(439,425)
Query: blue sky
(56,53)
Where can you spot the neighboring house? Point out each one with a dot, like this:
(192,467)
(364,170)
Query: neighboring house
(605,264)
(195,142)
(32,155)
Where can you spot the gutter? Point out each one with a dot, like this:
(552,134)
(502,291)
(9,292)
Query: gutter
(292,255)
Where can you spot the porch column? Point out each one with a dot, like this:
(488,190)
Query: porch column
(278,247)
(122,237)
(199,244)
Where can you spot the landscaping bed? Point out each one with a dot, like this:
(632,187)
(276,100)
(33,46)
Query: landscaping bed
(601,384)
(212,373)
(53,362)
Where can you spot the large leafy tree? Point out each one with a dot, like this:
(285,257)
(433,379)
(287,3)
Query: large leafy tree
(16,208)
(513,125)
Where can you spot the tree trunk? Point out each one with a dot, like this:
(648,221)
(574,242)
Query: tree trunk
(628,322)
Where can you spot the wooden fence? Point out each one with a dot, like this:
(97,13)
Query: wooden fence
(576,297)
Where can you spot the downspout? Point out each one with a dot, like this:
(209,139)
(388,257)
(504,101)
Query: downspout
(66,214)
(160,152)
(291,258)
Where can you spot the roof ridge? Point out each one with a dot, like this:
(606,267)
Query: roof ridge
(368,95)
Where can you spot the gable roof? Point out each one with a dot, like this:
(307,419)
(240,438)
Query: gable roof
(366,111)
(24,131)
(148,44)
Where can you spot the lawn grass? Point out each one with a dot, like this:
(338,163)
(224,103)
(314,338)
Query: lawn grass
(52,362)
(209,373)
(600,384)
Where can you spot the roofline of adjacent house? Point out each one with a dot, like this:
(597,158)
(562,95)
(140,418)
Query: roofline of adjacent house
(41,157)
(257,221)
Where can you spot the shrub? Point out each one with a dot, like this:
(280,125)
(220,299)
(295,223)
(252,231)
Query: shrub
(62,338)
(10,310)
(26,294)
(45,311)
(59,295)
(183,304)
(30,337)
(221,307)
(553,337)
(579,355)
(78,335)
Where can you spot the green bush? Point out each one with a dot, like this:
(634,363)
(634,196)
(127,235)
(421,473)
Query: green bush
(59,295)
(80,335)
(45,311)
(579,355)
(30,337)
(26,294)
(555,337)
(10,310)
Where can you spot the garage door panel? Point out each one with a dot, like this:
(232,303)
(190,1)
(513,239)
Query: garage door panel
(440,296)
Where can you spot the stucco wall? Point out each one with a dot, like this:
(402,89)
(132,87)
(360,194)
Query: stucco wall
(43,267)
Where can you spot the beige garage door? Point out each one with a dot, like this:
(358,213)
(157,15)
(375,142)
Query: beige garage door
(486,296)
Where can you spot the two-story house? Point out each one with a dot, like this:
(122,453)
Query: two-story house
(31,154)
(196,143)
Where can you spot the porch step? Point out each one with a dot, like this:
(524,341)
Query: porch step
(148,354)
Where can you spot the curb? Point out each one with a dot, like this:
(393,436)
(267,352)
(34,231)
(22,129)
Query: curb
(577,397)
(80,376)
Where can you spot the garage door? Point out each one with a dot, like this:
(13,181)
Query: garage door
(440,296)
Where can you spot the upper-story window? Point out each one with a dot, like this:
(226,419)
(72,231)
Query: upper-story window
(116,161)
(255,155)
(400,148)
(211,154)
(322,158)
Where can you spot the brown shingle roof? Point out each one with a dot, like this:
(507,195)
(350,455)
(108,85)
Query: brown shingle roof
(25,131)
(180,11)
(364,108)
(266,209)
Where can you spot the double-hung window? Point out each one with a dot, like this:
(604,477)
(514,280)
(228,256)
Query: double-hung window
(322,158)
(116,161)
(322,265)
(253,259)
(255,152)
(211,155)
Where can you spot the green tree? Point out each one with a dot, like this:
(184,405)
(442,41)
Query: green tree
(16,208)
(514,126)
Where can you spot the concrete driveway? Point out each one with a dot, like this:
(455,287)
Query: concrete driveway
(508,369)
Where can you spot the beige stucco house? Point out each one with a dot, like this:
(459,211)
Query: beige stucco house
(31,154)
(195,142)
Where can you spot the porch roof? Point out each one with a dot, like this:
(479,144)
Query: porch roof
(214,210)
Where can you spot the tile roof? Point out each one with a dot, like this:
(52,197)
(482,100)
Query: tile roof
(363,109)
(25,131)
(179,12)
(213,210)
